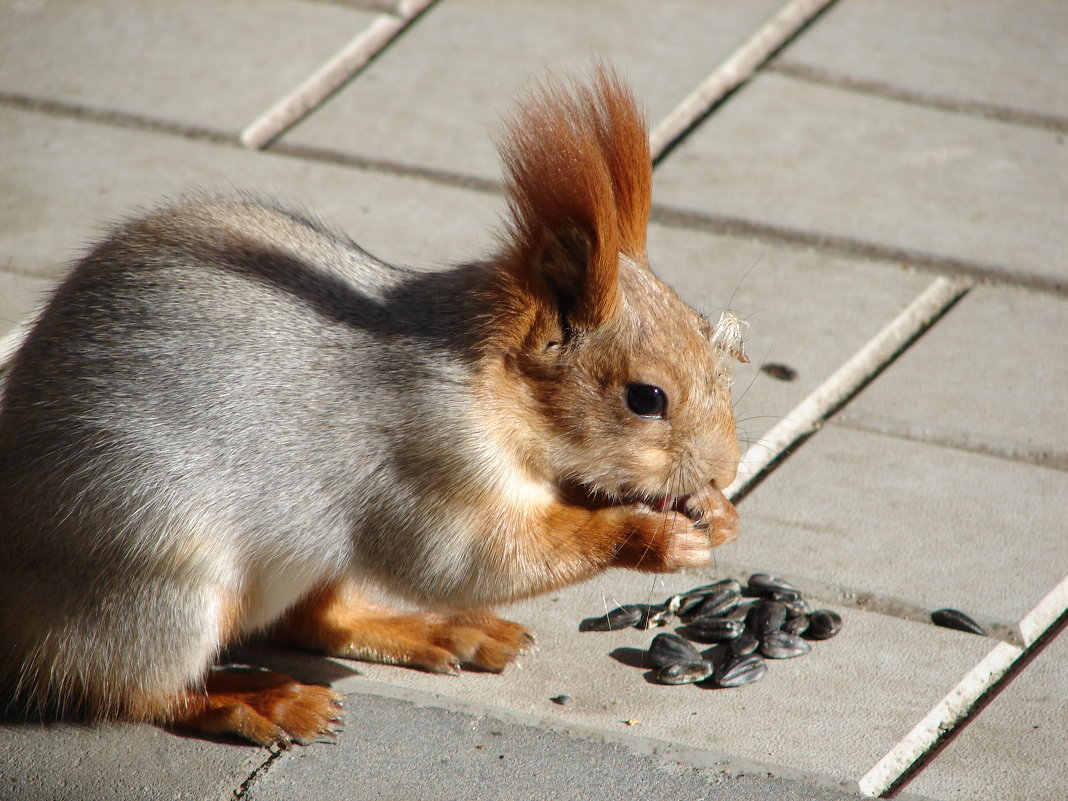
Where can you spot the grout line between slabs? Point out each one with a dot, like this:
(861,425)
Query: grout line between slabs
(975,108)
(733,72)
(978,686)
(661,214)
(326,80)
(806,418)
(1050,458)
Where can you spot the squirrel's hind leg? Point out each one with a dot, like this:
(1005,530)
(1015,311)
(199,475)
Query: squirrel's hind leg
(337,620)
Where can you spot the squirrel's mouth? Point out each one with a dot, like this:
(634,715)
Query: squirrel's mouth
(660,504)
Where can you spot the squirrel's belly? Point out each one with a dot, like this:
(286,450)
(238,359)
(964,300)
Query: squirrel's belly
(273,586)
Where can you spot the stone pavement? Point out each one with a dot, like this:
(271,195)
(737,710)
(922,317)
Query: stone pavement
(890,156)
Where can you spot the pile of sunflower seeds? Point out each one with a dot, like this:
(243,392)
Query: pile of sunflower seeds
(766,619)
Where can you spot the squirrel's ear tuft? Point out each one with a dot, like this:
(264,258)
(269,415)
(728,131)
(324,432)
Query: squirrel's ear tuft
(578,176)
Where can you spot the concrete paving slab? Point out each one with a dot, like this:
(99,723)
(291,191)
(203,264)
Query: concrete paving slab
(806,310)
(827,716)
(827,161)
(432,98)
(992,375)
(116,761)
(931,525)
(198,63)
(1014,750)
(1011,54)
(68,178)
(63,180)
(395,749)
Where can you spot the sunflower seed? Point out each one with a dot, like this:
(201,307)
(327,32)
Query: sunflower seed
(653,615)
(783,645)
(823,624)
(955,619)
(671,649)
(622,617)
(716,586)
(736,672)
(795,625)
(714,603)
(794,603)
(684,672)
(766,616)
(783,372)
(764,584)
(744,644)
(715,629)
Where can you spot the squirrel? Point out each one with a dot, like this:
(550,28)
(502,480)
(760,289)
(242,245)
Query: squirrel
(228,419)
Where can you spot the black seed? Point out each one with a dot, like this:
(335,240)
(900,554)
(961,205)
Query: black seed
(783,645)
(765,616)
(783,372)
(796,625)
(684,672)
(715,586)
(714,603)
(671,649)
(823,624)
(955,619)
(792,600)
(764,584)
(744,644)
(715,629)
(743,670)
(562,700)
(653,615)
(622,617)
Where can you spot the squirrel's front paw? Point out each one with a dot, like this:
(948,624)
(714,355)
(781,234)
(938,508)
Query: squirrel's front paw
(711,512)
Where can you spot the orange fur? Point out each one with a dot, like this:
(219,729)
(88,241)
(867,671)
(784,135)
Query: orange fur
(263,707)
(578,178)
(337,620)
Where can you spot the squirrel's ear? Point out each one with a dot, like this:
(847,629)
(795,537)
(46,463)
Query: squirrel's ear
(577,174)
(576,274)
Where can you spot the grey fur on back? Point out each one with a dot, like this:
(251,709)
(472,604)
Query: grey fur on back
(237,388)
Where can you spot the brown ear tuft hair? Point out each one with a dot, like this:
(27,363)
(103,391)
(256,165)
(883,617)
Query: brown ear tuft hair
(578,177)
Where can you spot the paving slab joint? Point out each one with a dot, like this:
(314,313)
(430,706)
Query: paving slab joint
(805,419)
(975,108)
(973,693)
(274,754)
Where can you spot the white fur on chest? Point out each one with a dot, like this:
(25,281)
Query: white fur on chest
(273,586)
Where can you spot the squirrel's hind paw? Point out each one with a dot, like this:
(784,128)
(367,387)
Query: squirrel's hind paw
(269,709)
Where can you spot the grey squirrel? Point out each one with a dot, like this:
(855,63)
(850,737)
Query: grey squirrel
(229,419)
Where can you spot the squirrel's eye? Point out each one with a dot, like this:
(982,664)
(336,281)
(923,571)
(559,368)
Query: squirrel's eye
(645,400)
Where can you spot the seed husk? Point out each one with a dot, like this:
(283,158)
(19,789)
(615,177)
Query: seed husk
(955,619)
(766,616)
(715,629)
(714,604)
(823,624)
(736,672)
(764,584)
(783,372)
(744,644)
(716,586)
(622,617)
(685,672)
(783,645)
(796,625)
(794,603)
(653,615)
(671,649)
